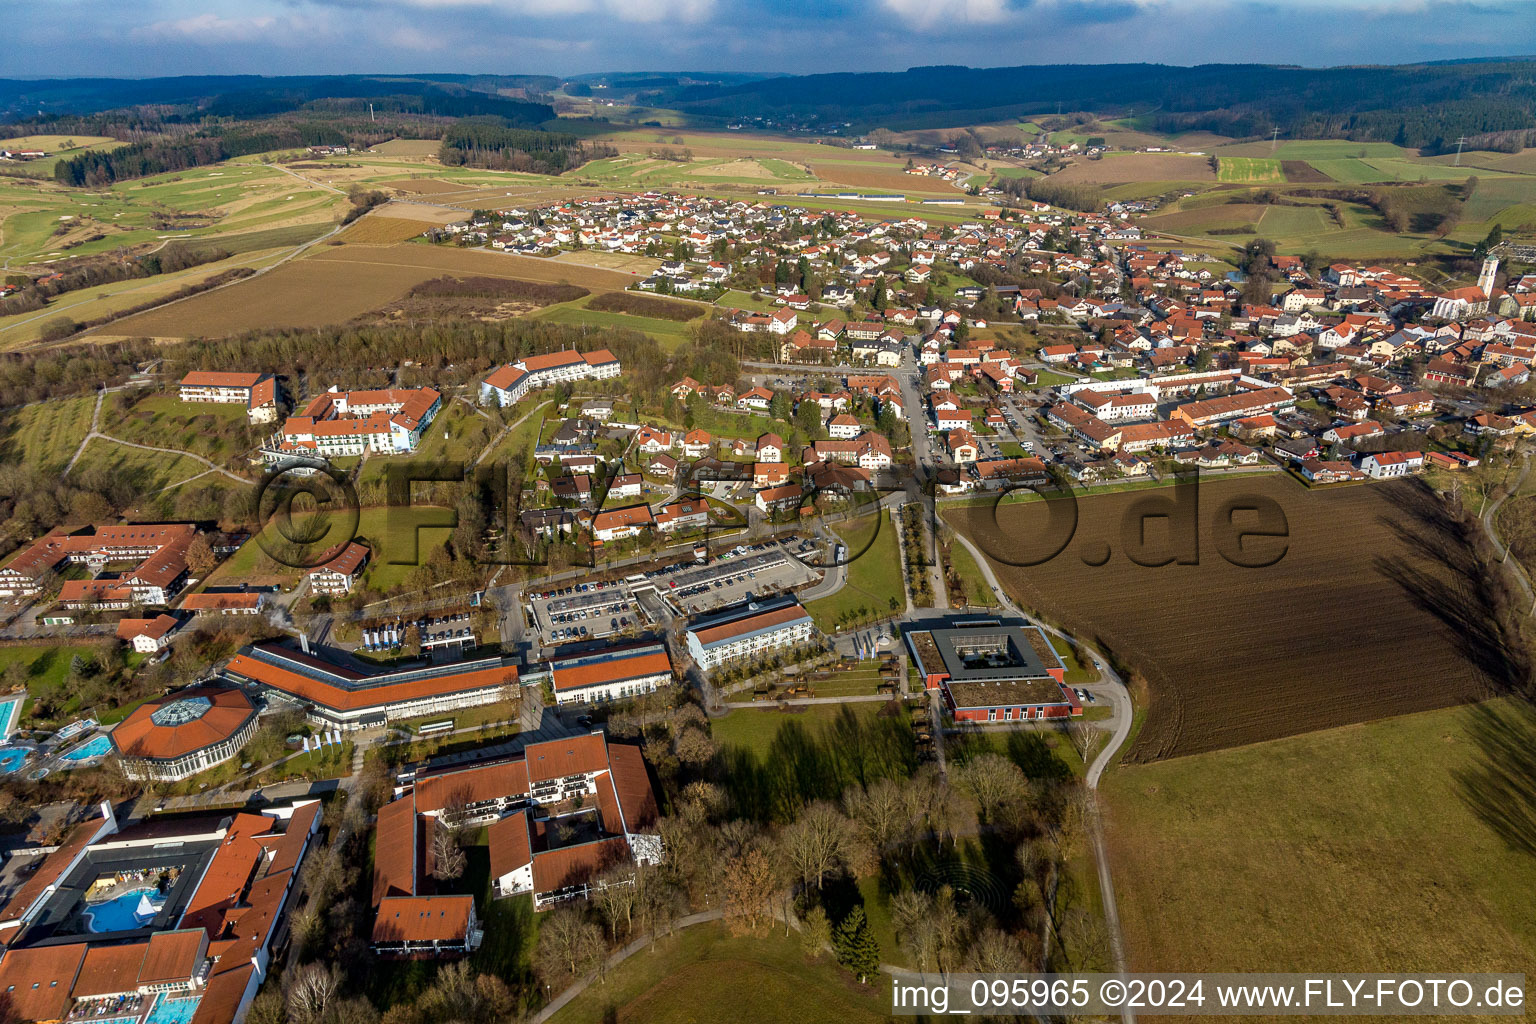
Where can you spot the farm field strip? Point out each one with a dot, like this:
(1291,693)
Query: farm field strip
(1219,679)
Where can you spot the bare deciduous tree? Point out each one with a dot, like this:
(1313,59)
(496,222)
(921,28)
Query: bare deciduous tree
(815,842)
(311,991)
(448,860)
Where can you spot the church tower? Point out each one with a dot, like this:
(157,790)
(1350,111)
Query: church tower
(1489,275)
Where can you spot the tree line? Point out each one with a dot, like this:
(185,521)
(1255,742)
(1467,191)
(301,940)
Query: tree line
(35,292)
(499,146)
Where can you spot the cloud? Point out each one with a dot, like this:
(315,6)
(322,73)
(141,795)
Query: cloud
(624,10)
(208,28)
(934,13)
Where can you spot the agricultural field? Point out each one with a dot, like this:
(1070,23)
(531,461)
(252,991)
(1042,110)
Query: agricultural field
(1205,219)
(1375,562)
(1249,170)
(408,147)
(629,263)
(1119,168)
(1402,842)
(45,436)
(377,229)
(335,284)
(881,177)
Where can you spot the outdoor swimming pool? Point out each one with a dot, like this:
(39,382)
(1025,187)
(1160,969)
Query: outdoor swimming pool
(173,1011)
(10,714)
(97,747)
(121,913)
(11,759)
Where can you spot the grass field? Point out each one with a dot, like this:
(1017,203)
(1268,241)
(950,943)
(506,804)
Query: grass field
(44,436)
(1384,847)
(47,667)
(702,975)
(755,729)
(388,533)
(978,592)
(1375,562)
(1117,168)
(669,333)
(216,432)
(148,471)
(1249,169)
(874,574)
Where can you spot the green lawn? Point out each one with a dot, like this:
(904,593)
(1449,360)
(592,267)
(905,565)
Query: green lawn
(390,533)
(467,433)
(146,470)
(669,333)
(44,436)
(755,729)
(977,590)
(703,975)
(1051,379)
(217,432)
(874,574)
(1394,844)
(47,667)
(1077,672)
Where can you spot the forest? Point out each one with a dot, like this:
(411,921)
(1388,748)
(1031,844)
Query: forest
(1412,105)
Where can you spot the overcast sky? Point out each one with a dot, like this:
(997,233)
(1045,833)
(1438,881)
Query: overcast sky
(142,38)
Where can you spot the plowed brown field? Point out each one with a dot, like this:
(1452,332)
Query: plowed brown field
(1373,610)
(876,176)
(335,284)
(1128,167)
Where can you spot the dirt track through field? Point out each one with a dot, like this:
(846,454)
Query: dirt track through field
(1373,610)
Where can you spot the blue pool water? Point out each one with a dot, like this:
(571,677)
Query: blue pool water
(95,748)
(10,714)
(120,913)
(11,759)
(173,1011)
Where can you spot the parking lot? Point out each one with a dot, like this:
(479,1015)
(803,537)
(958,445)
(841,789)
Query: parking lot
(741,575)
(592,610)
(584,611)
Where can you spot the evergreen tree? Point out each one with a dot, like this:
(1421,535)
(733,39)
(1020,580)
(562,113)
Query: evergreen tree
(856,947)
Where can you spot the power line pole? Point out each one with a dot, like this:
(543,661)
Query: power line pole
(1459,143)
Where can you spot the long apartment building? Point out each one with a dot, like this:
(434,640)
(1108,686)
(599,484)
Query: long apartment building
(510,383)
(258,392)
(337,696)
(748,630)
(337,424)
(1211,411)
(562,818)
(194,948)
(156,552)
(610,673)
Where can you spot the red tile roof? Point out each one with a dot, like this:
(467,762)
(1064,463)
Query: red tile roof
(577,755)
(423,918)
(616,668)
(140,736)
